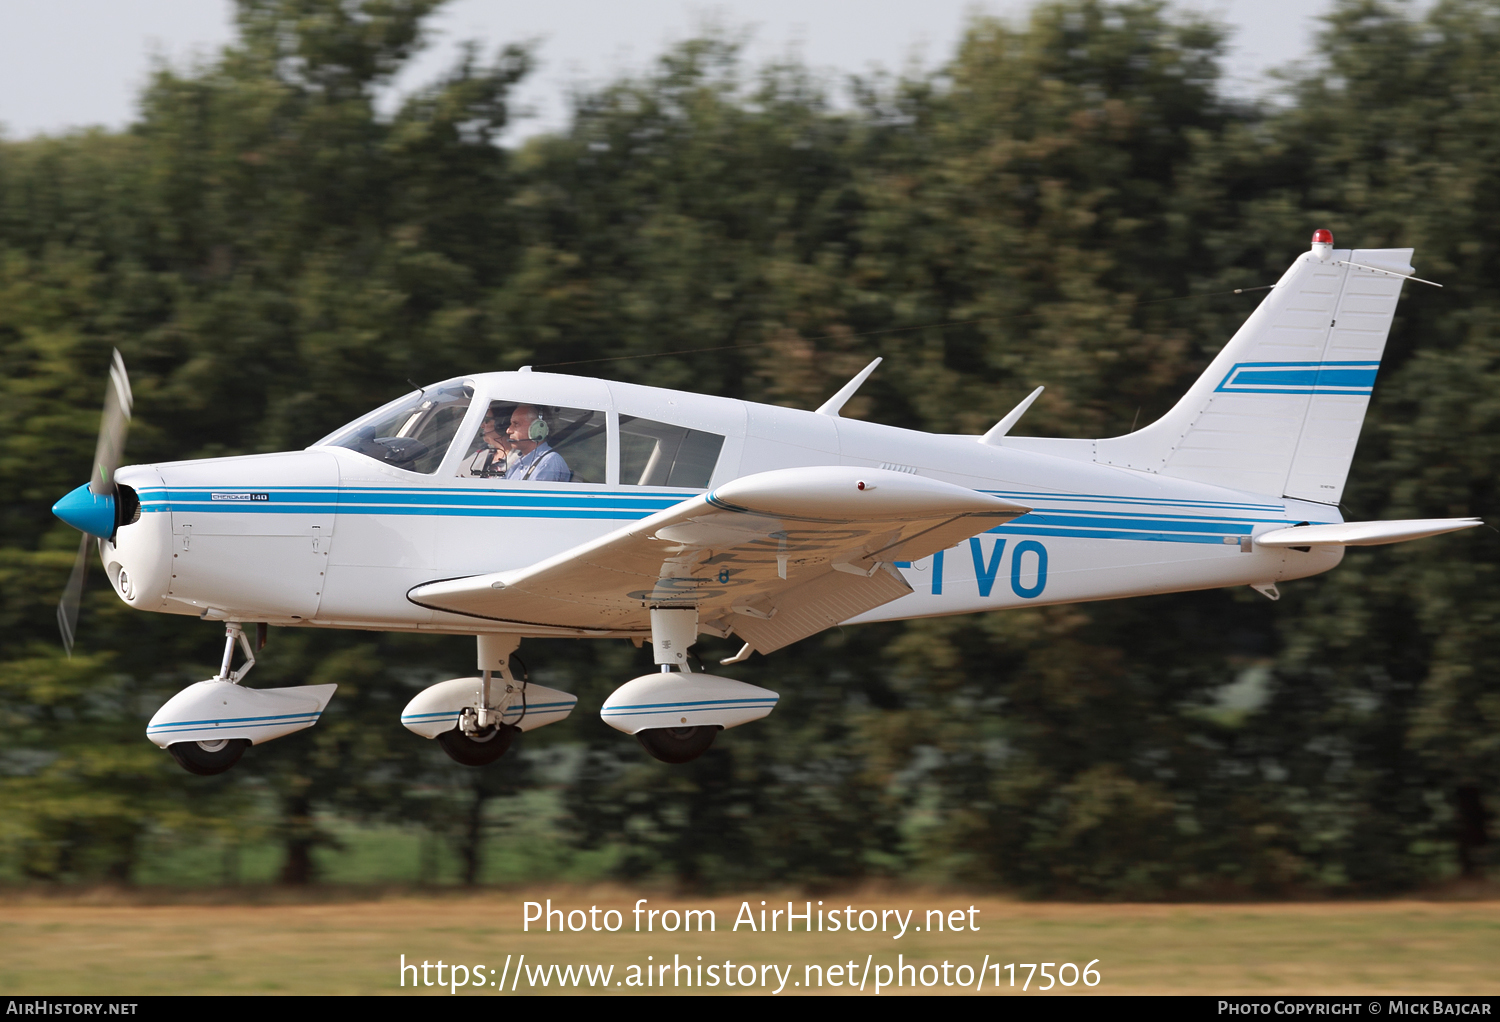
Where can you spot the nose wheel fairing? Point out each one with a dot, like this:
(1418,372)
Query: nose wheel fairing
(207,726)
(218,709)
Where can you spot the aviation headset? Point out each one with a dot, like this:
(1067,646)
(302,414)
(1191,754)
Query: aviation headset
(539,428)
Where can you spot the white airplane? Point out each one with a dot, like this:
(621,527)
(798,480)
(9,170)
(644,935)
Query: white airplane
(615,511)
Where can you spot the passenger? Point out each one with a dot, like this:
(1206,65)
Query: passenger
(496,451)
(538,462)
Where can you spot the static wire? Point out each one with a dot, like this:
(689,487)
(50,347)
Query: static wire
(890,330)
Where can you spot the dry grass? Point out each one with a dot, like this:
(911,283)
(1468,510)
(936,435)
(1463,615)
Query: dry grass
(104,945)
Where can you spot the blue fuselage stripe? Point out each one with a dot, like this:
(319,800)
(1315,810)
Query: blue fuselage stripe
(1135,518)
(445,503)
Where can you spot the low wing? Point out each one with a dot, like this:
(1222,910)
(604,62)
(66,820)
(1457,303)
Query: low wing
(774,557)
(1363,533)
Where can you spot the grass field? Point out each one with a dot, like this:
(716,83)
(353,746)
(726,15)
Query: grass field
(93,946)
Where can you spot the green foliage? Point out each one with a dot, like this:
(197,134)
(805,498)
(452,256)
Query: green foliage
(1067,202)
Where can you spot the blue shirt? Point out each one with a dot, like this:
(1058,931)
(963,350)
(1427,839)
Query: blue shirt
(542,465)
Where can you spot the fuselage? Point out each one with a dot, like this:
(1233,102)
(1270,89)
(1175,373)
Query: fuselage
(334,536)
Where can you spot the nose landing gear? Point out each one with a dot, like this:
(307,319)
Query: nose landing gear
(207,727)
(208,758)
(217,755)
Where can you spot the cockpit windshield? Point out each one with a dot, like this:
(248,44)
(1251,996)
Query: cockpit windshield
(412,432)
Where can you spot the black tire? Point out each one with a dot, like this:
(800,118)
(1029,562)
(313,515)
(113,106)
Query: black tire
(678,744)
(482,749)
(208,758)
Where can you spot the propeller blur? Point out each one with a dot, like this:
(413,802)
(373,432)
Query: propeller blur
(92,508)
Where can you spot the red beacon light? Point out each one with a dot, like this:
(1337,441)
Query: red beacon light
(1322,243)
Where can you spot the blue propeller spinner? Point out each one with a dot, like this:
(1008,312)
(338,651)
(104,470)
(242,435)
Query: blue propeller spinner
(87,511)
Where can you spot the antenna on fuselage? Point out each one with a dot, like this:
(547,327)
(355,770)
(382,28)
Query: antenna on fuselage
(833,404)
(1012,417)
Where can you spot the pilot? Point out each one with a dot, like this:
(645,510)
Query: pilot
(496,451)
(538,462)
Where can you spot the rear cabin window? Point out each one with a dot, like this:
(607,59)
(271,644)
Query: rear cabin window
(659,454)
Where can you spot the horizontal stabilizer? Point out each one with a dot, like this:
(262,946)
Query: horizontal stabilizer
(1363,533)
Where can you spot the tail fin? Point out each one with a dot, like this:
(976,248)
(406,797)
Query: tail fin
(1279,410)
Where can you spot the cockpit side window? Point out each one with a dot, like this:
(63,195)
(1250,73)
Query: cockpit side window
(538,443)
(660,454)
(412,433)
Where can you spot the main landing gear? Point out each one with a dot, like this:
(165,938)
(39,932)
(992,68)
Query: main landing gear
(676,713)
(678,744)
(482,734)
(476,746)
(476,720)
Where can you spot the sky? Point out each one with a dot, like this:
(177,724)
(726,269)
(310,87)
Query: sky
(68,64)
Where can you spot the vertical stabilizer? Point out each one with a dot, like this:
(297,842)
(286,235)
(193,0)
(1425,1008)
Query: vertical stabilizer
(1279,410)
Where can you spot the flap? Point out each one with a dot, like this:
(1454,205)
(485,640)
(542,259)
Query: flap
(1363,533)
(775,557)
